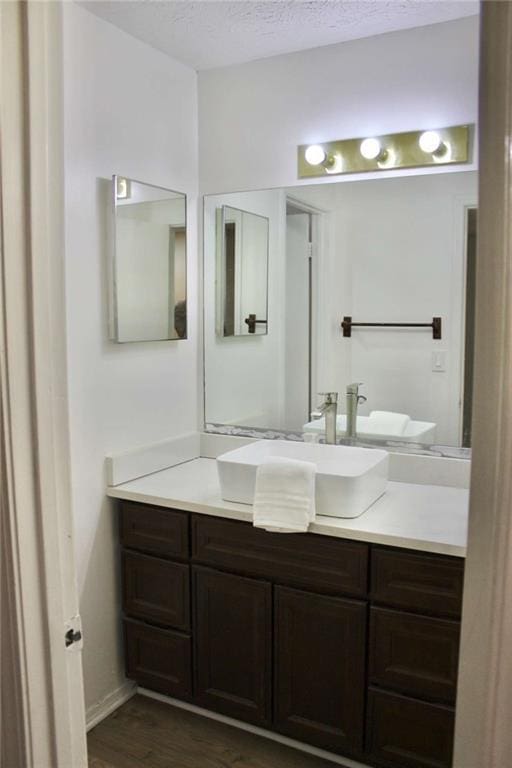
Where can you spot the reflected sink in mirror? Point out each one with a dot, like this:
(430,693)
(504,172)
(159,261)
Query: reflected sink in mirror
(348,479)
(371,428)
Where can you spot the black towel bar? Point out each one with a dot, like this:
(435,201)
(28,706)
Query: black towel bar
(347,326)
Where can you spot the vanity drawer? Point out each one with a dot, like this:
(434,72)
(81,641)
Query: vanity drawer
(408,733)
(158,659)
(320,562)
(414,654)
(418,582)
(156,590)
(153,529)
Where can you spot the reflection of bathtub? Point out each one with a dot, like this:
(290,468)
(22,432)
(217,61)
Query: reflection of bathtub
(414,432)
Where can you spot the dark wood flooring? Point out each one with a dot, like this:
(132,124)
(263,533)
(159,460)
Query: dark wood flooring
(145,733)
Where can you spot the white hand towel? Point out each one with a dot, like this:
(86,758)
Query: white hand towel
(387,423)
(284,498)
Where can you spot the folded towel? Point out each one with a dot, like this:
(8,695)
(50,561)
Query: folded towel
(387,423)
(284,498)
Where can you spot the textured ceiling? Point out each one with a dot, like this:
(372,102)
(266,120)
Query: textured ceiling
(213,33)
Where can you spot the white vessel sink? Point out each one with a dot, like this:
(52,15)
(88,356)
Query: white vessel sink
(414,432)
(348,480)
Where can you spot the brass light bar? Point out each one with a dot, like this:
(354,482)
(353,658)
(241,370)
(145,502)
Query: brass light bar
(442,146)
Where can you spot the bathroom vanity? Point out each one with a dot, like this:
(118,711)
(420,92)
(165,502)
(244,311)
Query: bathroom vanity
(345,638)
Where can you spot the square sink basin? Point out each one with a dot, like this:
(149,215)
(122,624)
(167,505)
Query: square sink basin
(348,480)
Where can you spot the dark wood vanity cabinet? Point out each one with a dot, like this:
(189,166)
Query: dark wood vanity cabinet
(343,645)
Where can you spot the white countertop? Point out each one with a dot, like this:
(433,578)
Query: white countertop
(430,518)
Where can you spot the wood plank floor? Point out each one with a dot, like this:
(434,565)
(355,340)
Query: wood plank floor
(145,733)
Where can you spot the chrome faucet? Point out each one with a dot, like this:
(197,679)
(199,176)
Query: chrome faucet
(353,400)
(330,410)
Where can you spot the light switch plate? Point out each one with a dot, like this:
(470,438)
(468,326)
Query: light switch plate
(439,361)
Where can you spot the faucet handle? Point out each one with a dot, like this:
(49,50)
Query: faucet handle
(330,397)
(353,389)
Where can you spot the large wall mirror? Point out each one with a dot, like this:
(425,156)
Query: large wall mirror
(149,263)
(397,257)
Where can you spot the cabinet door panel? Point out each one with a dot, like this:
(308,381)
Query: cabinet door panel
(158,659)
(233,618)
(414,654)
(319,669)
(406,733)
(156,590)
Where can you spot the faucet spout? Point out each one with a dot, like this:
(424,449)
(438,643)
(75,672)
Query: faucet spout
(353,400)
(330,410)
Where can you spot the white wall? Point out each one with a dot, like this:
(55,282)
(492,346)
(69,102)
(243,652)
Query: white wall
(244,374)
(129,110)
(253,116)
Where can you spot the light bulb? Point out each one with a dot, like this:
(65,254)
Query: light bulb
(430,142)
(314,155)
(370,149)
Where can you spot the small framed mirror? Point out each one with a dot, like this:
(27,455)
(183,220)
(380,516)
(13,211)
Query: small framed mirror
(242,272)
(149,263)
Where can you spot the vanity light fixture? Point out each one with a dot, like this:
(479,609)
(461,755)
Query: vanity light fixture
(413,149)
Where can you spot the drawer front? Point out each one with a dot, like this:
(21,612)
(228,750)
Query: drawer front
(417,655)
(156,590)
(425,583)
(302,559)
(153,529)
(158,659)
(408,733)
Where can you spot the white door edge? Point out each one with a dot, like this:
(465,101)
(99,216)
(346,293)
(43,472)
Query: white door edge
(39,577)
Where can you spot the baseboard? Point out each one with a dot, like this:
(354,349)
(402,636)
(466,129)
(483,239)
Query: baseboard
(320,753)
(109,704)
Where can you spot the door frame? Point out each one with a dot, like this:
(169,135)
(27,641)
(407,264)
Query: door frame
(45,722)
(482,732)
(317,244)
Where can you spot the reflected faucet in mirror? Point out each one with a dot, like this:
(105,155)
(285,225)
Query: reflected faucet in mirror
(353,400)
(330,410)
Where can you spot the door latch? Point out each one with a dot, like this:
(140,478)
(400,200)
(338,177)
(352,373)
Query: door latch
(73,633)
(72,637)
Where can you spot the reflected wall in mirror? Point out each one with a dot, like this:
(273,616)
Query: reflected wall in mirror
(149,263)
(242,272)
(393,251)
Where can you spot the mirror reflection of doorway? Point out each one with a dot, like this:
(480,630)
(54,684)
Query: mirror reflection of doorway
(469,340)
(300,231)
